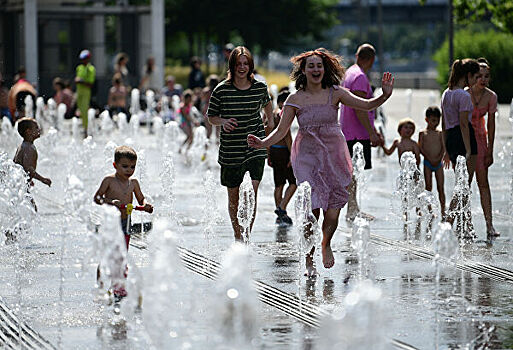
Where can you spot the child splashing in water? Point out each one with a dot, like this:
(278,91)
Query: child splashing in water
(319,153)
(432,148)
(188,120)
(118,190)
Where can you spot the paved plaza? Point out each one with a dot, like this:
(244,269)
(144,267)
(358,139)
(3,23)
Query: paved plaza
(48,299)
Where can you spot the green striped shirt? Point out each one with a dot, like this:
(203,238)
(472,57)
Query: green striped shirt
(228,102)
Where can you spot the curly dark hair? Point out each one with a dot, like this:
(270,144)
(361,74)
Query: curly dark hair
(333,70)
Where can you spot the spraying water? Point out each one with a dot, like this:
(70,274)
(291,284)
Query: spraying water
(459,211)
(360,324)
(359,242)
(358,170)
(245,212)
(409,186)
(29,106)
(235,306)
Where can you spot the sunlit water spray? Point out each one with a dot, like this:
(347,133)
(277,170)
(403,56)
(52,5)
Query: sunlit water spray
(359,170)
(245,212)
(359,242)
(359,324)
(409,186)
(234,309)
(461,213)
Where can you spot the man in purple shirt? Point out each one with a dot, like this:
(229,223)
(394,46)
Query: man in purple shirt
(358,126)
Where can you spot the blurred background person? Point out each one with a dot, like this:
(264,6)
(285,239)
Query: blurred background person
(196,77)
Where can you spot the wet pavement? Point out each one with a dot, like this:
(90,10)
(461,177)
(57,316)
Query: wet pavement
(49,276)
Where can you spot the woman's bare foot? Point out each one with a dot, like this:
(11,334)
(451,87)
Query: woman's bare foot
(328,260)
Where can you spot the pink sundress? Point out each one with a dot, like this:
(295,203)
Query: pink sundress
(320,155)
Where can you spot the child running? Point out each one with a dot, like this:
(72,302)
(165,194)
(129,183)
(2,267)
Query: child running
(26,154)
(406,128)
(118,190)
(432,148)
(279,160)
(188,120)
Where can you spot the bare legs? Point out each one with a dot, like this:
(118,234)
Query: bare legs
(233,206)
(329,226)
(352,204)
(281,200)
(486,199)
(439,176)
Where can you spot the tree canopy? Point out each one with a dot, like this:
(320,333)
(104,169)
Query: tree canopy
(268,24)
(500,12)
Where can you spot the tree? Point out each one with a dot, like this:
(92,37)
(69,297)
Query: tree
(496,47)
(266,24)
(500,12)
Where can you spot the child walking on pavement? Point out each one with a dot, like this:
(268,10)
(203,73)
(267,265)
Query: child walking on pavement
(118,189)
(279,160)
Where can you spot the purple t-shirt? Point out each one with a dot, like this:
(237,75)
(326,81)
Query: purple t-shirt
(355,80)
(454,102)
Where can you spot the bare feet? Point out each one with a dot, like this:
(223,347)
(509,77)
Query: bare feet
(310,267)
(328,260)
(492,233)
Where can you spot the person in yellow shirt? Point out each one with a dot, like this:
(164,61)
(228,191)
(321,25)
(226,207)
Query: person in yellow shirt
(85,77)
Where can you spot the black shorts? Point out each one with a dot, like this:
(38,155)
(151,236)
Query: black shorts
(232,175)
(280,158)
(454,142)
(366,151)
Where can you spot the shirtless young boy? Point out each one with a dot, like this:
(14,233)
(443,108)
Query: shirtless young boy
(405,129)
(432,148)
(26,154)
(118,190)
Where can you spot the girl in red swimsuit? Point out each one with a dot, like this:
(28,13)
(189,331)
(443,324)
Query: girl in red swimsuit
(485,102)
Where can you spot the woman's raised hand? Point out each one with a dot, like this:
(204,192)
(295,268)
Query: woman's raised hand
(387,84)
(255,142)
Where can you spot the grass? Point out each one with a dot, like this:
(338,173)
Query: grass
(181,73)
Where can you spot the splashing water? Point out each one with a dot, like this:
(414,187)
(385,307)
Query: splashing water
(359,242)
(112,248)
(308,228)
(461,213)
(445,246)
(29,106)
(409,186)
(358,170)
(167,180)
(235,306)
(359,325)
(246,208)
(91,122)
(429,207)
(106,124)
(210,213)
(134,102)
(166,314)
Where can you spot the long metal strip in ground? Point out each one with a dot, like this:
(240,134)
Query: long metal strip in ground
(290,304)
(10,336)
(490,271)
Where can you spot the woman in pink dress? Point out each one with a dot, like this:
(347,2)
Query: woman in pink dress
(485,102)
(319,153)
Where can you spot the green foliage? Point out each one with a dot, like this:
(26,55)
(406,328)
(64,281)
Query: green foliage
(496,47)
(500,12)
(266,24)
